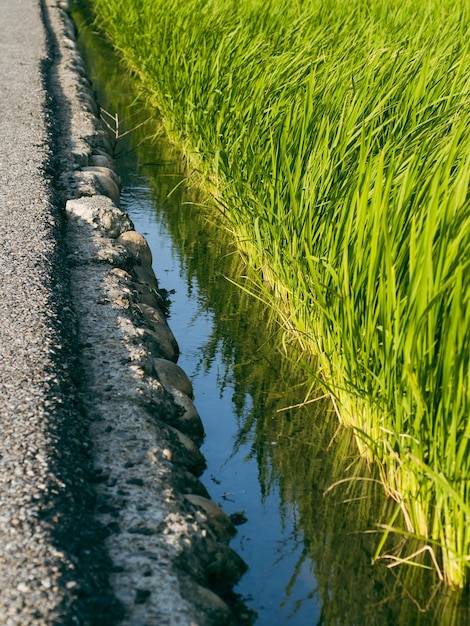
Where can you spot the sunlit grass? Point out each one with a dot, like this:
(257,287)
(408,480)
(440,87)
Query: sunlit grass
(338,136)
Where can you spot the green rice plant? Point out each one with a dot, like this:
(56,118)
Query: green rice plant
(336,141)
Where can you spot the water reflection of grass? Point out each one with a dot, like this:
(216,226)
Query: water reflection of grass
(307,459)
(301,451)
(338,135)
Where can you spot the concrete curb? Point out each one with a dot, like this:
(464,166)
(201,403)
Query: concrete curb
(166,539)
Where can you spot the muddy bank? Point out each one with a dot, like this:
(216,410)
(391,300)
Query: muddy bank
(166,540)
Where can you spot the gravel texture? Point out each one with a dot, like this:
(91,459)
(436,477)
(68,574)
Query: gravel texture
(102,517)
(52,569)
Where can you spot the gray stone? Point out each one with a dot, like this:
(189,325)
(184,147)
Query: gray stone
(145,275)
(137,246)
(173,377)
(189,455)
(213,604)
(105,170)
(188,421)
(168,345)
(90,103)
(157,343)
(99,212)
(226,564)
(102,160)
(103,184)
(146,295)
(217,519)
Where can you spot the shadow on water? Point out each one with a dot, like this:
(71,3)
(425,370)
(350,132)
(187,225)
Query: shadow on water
(310,535)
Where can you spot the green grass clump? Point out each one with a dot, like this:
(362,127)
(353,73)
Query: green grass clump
(337,135)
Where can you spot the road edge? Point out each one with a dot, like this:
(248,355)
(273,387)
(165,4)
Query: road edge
(167,541)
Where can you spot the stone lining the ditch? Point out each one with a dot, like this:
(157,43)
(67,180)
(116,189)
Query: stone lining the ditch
(166,538)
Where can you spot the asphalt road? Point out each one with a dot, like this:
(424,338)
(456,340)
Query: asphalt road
(48,572)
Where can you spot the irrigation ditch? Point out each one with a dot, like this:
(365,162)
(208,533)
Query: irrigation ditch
(166,540)
(270,463)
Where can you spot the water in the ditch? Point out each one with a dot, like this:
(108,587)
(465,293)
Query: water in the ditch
(309,552)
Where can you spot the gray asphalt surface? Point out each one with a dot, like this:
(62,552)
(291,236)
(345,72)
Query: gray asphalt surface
(48,573)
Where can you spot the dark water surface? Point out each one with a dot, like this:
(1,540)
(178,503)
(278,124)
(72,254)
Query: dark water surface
(309,553)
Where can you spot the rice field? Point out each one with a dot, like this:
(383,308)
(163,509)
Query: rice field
(335,138)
